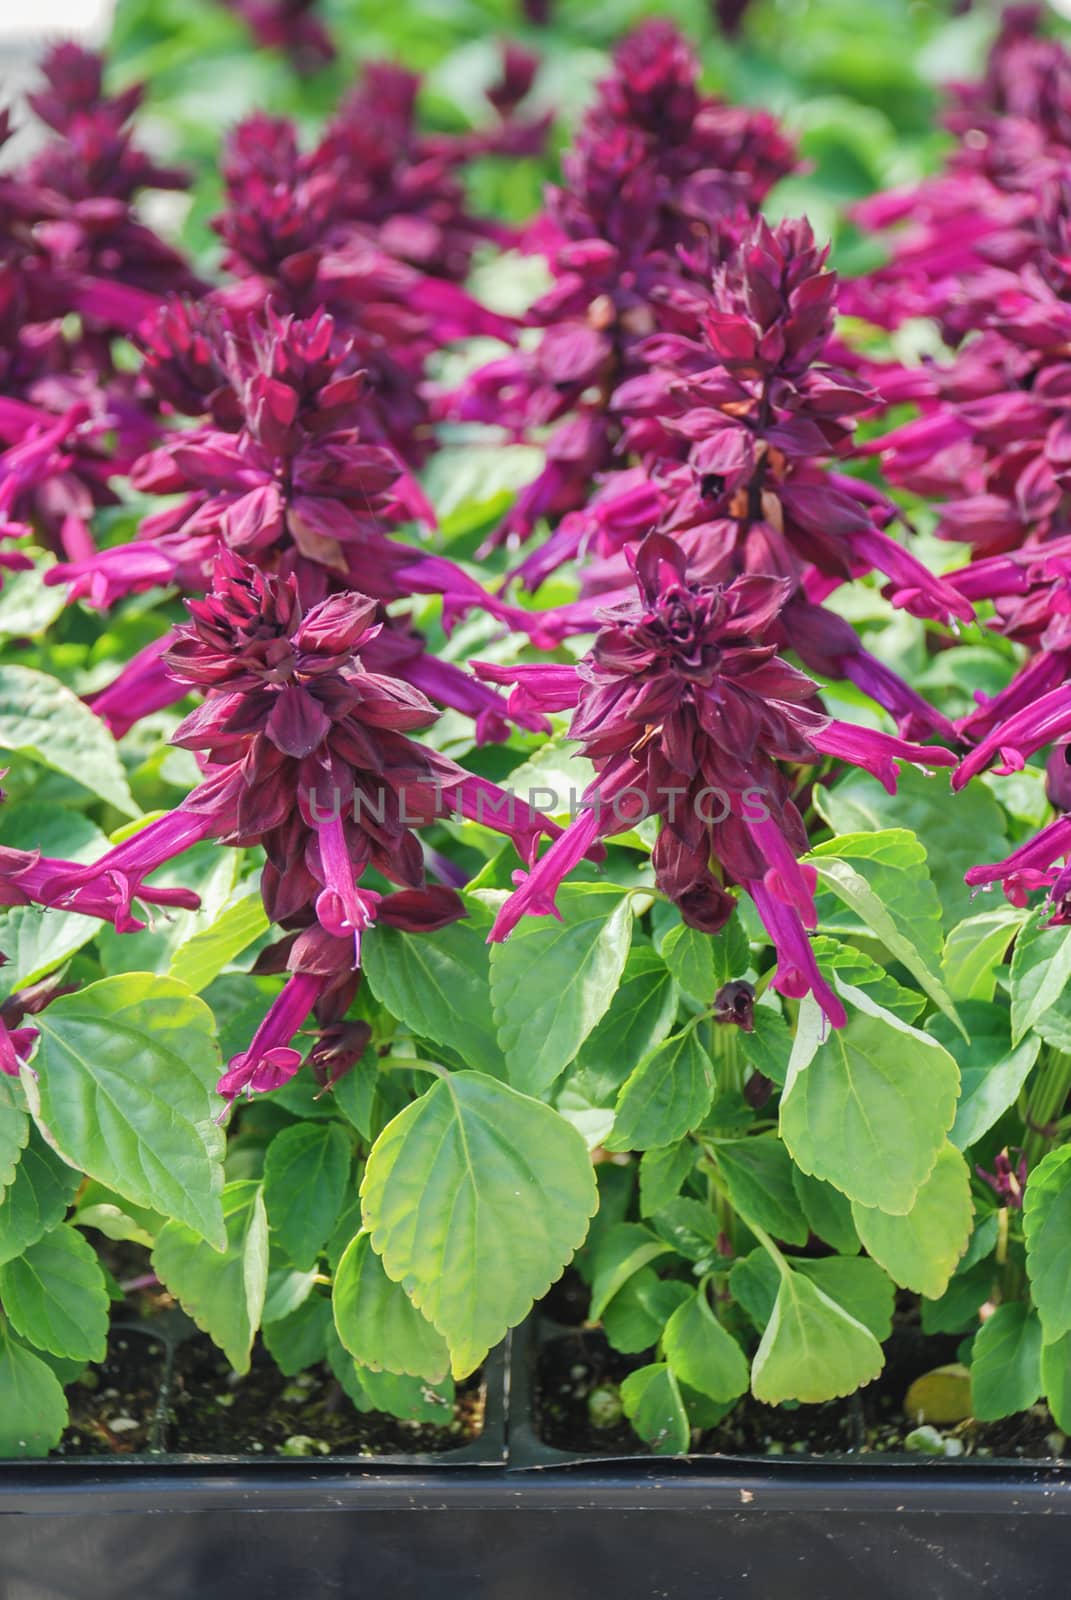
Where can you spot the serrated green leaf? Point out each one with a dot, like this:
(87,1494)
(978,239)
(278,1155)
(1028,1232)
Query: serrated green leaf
(701,1353)
(438,984)
(992,1071)
(975,948)
(55,1297)
(44,1187)
(14,1129)
(920,1250)
(641,1014)
(298,1341)
(637,1314)
(828,1212)
(812,1349)
(668,1094)
(769,1046)
(859,1286)
(884,879)
(101,1208)
(1006,1363)
(620,1252)
(203,956)
(754,1281)
(1040,976)
(306,1172)
(33,1410)
(476,1198)
(378,1323)
(1056,1379)
(946,825)
(223,1291)
(702,962)
(843,962)
(40,718)
(552,981)
(653,1405)
(1047,1226)
(123,1082)
(871,1110)
(758,1176)
(662,1171)
(36,939)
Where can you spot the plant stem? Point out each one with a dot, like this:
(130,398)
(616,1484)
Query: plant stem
(1046,1101)
(723,1042)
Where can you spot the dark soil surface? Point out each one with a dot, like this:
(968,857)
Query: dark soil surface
(573,1361)
(164,1388)
(148,1397)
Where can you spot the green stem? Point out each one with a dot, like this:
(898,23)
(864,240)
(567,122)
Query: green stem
(724,1046)
(1049,1090)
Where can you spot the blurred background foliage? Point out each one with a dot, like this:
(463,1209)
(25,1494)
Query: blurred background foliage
(858,84)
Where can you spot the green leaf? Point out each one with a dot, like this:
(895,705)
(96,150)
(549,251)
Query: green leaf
(844,962)
(860,1287)
(44,1187)
(703,962)
(378,1323)
(206,869)
(36,939)
(828,1212)
(203,957)
(637,1314)
(123,1083)
(1047,1226)
(222,1291)
(662,1171)
(55,1297)
(975,948)
(306,1172)
(438,984)
(641,1014)
(413,1399)
(920,1250)
(769,1046)
(621,1251)
(884,879)
(991,1070)
(653,1405)
(690,1228)
(758,1176)
(1056,1379)
(101,1208)
(552,981)
(42,719)
(476,1198)
(947,826)
(33,1410)
(701,1353)
(1040,977)
(298,1341)
(667,1095)
(1006,1363)
(812,1349)
(870,1112)
(14,1129)
(754,1281)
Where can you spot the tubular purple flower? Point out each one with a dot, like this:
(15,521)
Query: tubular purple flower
(270,1061)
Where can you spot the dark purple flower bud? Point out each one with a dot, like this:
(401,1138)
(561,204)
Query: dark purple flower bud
(735,1003)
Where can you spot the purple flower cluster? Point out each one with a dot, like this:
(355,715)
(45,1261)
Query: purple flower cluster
(657,170)
(698,422)
(986,252)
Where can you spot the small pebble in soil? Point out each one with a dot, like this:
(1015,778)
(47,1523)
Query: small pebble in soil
(604,1405)
(300,1444)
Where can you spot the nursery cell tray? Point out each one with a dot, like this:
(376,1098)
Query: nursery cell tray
(631,1529)
(689,1531)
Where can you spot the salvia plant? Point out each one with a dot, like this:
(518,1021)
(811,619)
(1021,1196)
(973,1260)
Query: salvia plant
(579,778)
